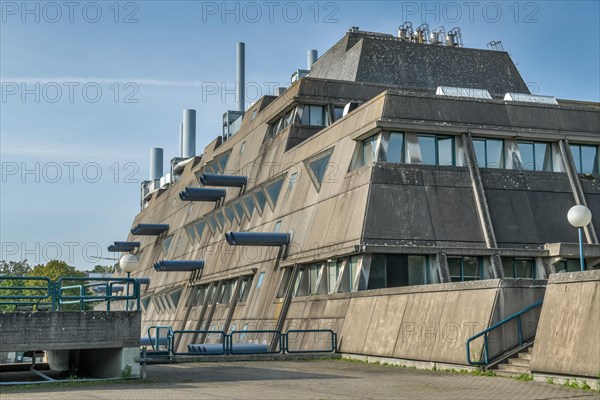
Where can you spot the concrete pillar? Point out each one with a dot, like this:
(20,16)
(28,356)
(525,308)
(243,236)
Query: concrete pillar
(569,164)
(485,220)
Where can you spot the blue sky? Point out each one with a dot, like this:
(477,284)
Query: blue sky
(89,87)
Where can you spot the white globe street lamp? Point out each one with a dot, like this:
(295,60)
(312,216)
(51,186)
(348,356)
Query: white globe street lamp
(579,216)
(129,263)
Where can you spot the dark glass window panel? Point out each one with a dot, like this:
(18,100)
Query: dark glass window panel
(524,268)
(239,210)
(427,145)
(395,148)
(471,268)
(259,195)
(377,279)
(319,167)
(494,153)
(445,151)
(527,156)
(479,147)
(454,265)
(274,189)
(230,214)
(249,203)
(589,160)
(417,270)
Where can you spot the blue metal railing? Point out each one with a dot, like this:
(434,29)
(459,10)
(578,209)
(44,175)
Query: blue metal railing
(485,332)
(156,341)
(26,291)
(85,297)
(226,344)
(332,334)
(22,294)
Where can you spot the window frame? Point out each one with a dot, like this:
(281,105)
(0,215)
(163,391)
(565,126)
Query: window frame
(437,139)
(485,150)
(462,269)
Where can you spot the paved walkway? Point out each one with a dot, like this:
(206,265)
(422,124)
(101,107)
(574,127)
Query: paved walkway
(335,379)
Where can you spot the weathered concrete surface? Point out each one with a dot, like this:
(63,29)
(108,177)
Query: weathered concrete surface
(433,322)
(69,330)
(567,340)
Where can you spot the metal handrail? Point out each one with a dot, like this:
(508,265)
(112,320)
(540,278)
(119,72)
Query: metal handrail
(224,344)
(496,325)
(37,298)
(333,341)
(156,344)
(228,346)
(83,297)
(276,334)
(53,291)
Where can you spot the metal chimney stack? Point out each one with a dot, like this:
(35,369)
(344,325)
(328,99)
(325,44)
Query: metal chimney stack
(241,77)
(189,134)
(156,163)
(181,139)
(311,58)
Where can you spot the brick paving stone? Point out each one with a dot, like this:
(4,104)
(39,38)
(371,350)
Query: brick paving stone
(327,379)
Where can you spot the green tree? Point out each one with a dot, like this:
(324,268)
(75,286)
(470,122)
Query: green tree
(12,268)
(55,270)
(104,269)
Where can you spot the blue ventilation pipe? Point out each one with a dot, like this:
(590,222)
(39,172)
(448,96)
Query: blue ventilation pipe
(223,180)
(257,238)
(178,265)
(149,229)
(202,194)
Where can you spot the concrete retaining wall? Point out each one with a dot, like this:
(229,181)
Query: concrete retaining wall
(569,327)
(99,344)
(431,322)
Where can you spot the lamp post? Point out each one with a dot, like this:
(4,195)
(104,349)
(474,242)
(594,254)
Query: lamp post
(128,263)
(579,216)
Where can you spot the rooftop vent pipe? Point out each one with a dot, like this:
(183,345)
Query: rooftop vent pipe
(241,77)
(257,238)
(156,163)
(223,180)
(178,265)
(311,58)
(149,229)
(201,194)
(181,139)
(124,247)
(189,134)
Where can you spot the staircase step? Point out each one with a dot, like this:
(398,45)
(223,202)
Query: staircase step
(521,362)
(513,369)
(507,373)
(525,355)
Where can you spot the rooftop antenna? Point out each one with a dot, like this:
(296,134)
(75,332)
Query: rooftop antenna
(495,45)
(422,34)
(454,38)
(405,31)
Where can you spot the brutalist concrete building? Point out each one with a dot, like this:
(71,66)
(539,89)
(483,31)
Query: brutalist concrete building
(404,193)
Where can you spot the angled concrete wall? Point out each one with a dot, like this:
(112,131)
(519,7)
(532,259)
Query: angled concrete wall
(567,340)
(431,322)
